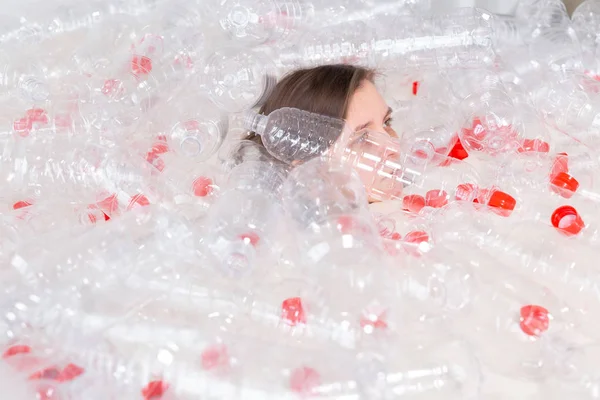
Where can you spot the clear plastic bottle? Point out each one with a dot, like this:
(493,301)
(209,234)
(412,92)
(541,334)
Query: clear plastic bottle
(292,135)
(53,21)
(490,123)
(569,108)
(28,82)
(236,79)
(586,22)
(242,241)
(326,202)
(390,174)
(193,126)
(462,38)
(264,21)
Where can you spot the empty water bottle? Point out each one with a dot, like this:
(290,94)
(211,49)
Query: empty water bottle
(292,135)
(242,241)
(238,80)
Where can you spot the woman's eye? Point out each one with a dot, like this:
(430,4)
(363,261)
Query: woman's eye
(388,122)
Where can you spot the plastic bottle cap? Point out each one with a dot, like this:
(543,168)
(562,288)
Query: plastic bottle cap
(564,184)
(141,65)
(304,379)
(250,238)
(292,311)
(21,204)
(416,242)
(413,203)
(458,151)
(373,318)
(415,87)
(16,349)
(138,200)
(567,220)
(466,192)
(154,390)
(70,372)
(202,186)
(502,202)
(214,356)
(50,373)
(436,198)
(534,145)
(534,320)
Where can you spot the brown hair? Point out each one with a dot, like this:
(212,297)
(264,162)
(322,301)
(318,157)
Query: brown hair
(324,90)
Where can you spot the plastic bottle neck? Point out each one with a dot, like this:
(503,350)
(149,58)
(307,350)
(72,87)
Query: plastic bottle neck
(257,123)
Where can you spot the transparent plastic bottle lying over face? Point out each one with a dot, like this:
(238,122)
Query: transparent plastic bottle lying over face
(389,173)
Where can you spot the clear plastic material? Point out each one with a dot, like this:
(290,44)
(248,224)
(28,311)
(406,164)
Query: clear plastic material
(238,239)
(264,21)
(586,22)
(390,174)
(27,81)
(293,136)
(237,80)
(462,38)
(326,201)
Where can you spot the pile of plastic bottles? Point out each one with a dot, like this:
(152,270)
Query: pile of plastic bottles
(148,251)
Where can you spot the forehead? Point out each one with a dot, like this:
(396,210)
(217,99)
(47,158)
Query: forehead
(366,104)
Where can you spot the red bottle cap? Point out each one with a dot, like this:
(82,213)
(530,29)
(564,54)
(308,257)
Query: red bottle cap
(70,372)
(250,238)
(534,145)
(214,356)
(534,320)
(458,151)
(373,317)
(292,311)
(415,87)
(16,349)
(564,184)
(304,379)
(502,202)
(138,200)
(154,390)
(141,65)
(567,220)
(436,198)
(413,203)
(202,186)
(21,204)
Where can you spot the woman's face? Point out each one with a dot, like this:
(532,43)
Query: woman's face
(368,110)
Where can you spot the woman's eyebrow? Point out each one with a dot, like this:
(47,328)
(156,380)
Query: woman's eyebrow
(389,113)
(363,126)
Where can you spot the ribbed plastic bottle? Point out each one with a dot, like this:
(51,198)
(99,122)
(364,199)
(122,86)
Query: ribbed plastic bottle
(292,135)
(389,173)
(460,39)
(27,82)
